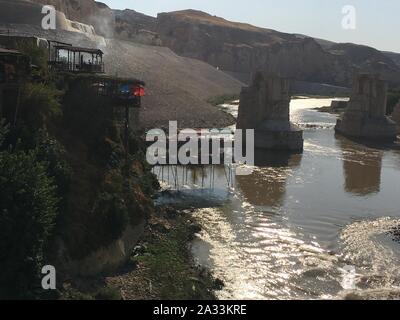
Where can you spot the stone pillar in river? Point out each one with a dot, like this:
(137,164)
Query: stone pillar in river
(365,116)
(264,107)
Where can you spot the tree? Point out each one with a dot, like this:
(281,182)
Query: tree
(28,208)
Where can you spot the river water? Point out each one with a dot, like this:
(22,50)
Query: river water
(312,226)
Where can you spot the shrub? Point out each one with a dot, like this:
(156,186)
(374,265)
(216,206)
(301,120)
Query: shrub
(111,218)
(39,103)
(108,294)
(51,152)
(28,208)
(38,56)
(216,101)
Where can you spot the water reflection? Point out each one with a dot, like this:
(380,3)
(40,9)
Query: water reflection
(296,226)
(362,167)
(266,186)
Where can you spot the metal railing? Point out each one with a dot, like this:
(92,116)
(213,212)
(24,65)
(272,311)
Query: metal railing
(79,68)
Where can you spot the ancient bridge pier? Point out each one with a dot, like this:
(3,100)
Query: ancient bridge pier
(365,117)
(264,107)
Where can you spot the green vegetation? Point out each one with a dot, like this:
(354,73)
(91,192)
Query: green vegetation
(37,56)
(28,210)
(110,189)
(65,178)
(40,104)
(166,262)
(108,293)
(97,291)
(216,101)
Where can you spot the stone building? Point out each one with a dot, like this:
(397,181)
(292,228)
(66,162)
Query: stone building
(264,107)
(365,116)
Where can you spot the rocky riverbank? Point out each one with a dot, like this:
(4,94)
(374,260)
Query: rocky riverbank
(329,109)
(160,266)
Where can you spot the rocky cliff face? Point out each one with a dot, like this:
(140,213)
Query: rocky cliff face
(237,48)
(137,27)
(241,48)
(394,56)
(367,59)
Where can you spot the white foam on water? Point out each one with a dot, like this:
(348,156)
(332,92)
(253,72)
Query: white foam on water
(376,263)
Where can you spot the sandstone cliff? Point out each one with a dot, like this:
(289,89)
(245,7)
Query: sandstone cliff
(237,48)
(394,56)
(137,27)
(367,59)
(243,49)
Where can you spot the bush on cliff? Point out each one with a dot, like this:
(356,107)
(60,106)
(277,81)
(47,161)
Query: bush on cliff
(28,209)
(111,217)
(38,56)
(40,104)
(34,179)
(51,152)
(66,161)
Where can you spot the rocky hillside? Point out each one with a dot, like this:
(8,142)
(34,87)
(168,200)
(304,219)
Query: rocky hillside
(368,59)
(242,48)
(236,48)
(394,56)
(137,27)
(177,87)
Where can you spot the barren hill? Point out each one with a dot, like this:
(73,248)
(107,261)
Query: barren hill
(242,49)
(177,87)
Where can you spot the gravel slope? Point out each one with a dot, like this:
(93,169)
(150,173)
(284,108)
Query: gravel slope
(177,87)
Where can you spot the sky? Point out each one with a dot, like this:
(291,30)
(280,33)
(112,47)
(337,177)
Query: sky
(376,23)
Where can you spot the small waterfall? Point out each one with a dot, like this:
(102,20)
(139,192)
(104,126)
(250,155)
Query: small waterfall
(88,30)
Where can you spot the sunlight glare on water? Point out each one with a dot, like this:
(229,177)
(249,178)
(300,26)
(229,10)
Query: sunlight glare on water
(312,226)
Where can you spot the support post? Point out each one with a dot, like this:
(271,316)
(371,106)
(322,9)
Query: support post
(126,132)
